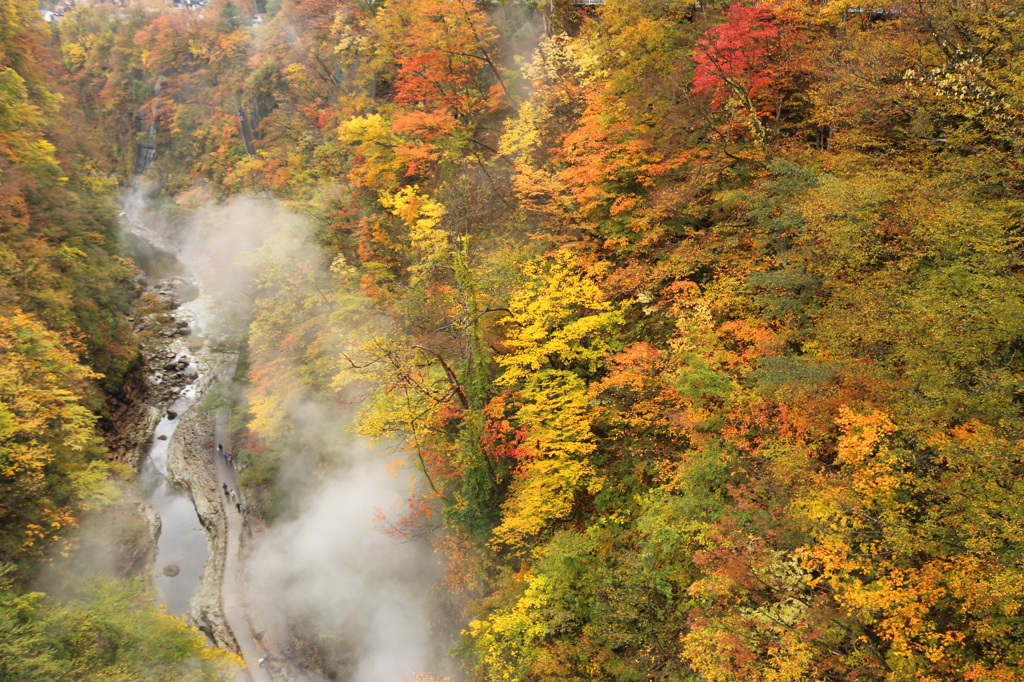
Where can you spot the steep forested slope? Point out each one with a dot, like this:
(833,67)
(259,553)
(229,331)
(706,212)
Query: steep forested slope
(703,321)
(63,293)
(64,343)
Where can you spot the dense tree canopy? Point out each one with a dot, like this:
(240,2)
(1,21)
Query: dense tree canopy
(703,321)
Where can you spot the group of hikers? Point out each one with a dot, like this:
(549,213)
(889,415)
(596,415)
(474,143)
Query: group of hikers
(229,494)
(226,455)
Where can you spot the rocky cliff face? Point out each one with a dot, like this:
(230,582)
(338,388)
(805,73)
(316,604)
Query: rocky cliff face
(132,414)
(136,525)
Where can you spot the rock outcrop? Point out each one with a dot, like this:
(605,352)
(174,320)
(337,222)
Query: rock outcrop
(190,464)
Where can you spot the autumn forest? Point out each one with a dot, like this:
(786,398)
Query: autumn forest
(702,321)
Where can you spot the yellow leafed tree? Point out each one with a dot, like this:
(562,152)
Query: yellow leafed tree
(561,333)
(46,436)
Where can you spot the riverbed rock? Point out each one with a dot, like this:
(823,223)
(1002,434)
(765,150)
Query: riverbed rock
(171,570)
(186,291)
(190,463)
(171,414)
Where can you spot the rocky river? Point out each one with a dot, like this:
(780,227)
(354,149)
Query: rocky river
(329,595)
(159,426)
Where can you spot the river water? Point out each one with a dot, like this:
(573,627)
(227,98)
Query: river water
(182,543)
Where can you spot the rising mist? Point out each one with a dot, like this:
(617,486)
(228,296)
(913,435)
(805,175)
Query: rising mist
(366,593)
(326,572)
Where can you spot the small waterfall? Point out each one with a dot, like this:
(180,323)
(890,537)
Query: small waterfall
(145,135)
(144,159)
(145,144)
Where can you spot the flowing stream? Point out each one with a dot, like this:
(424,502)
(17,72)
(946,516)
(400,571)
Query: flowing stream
(182,547)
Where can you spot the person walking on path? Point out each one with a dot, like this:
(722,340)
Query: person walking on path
(238,506)
(225,489)
(234,496)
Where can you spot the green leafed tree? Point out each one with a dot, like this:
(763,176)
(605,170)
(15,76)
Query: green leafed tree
(110,632)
